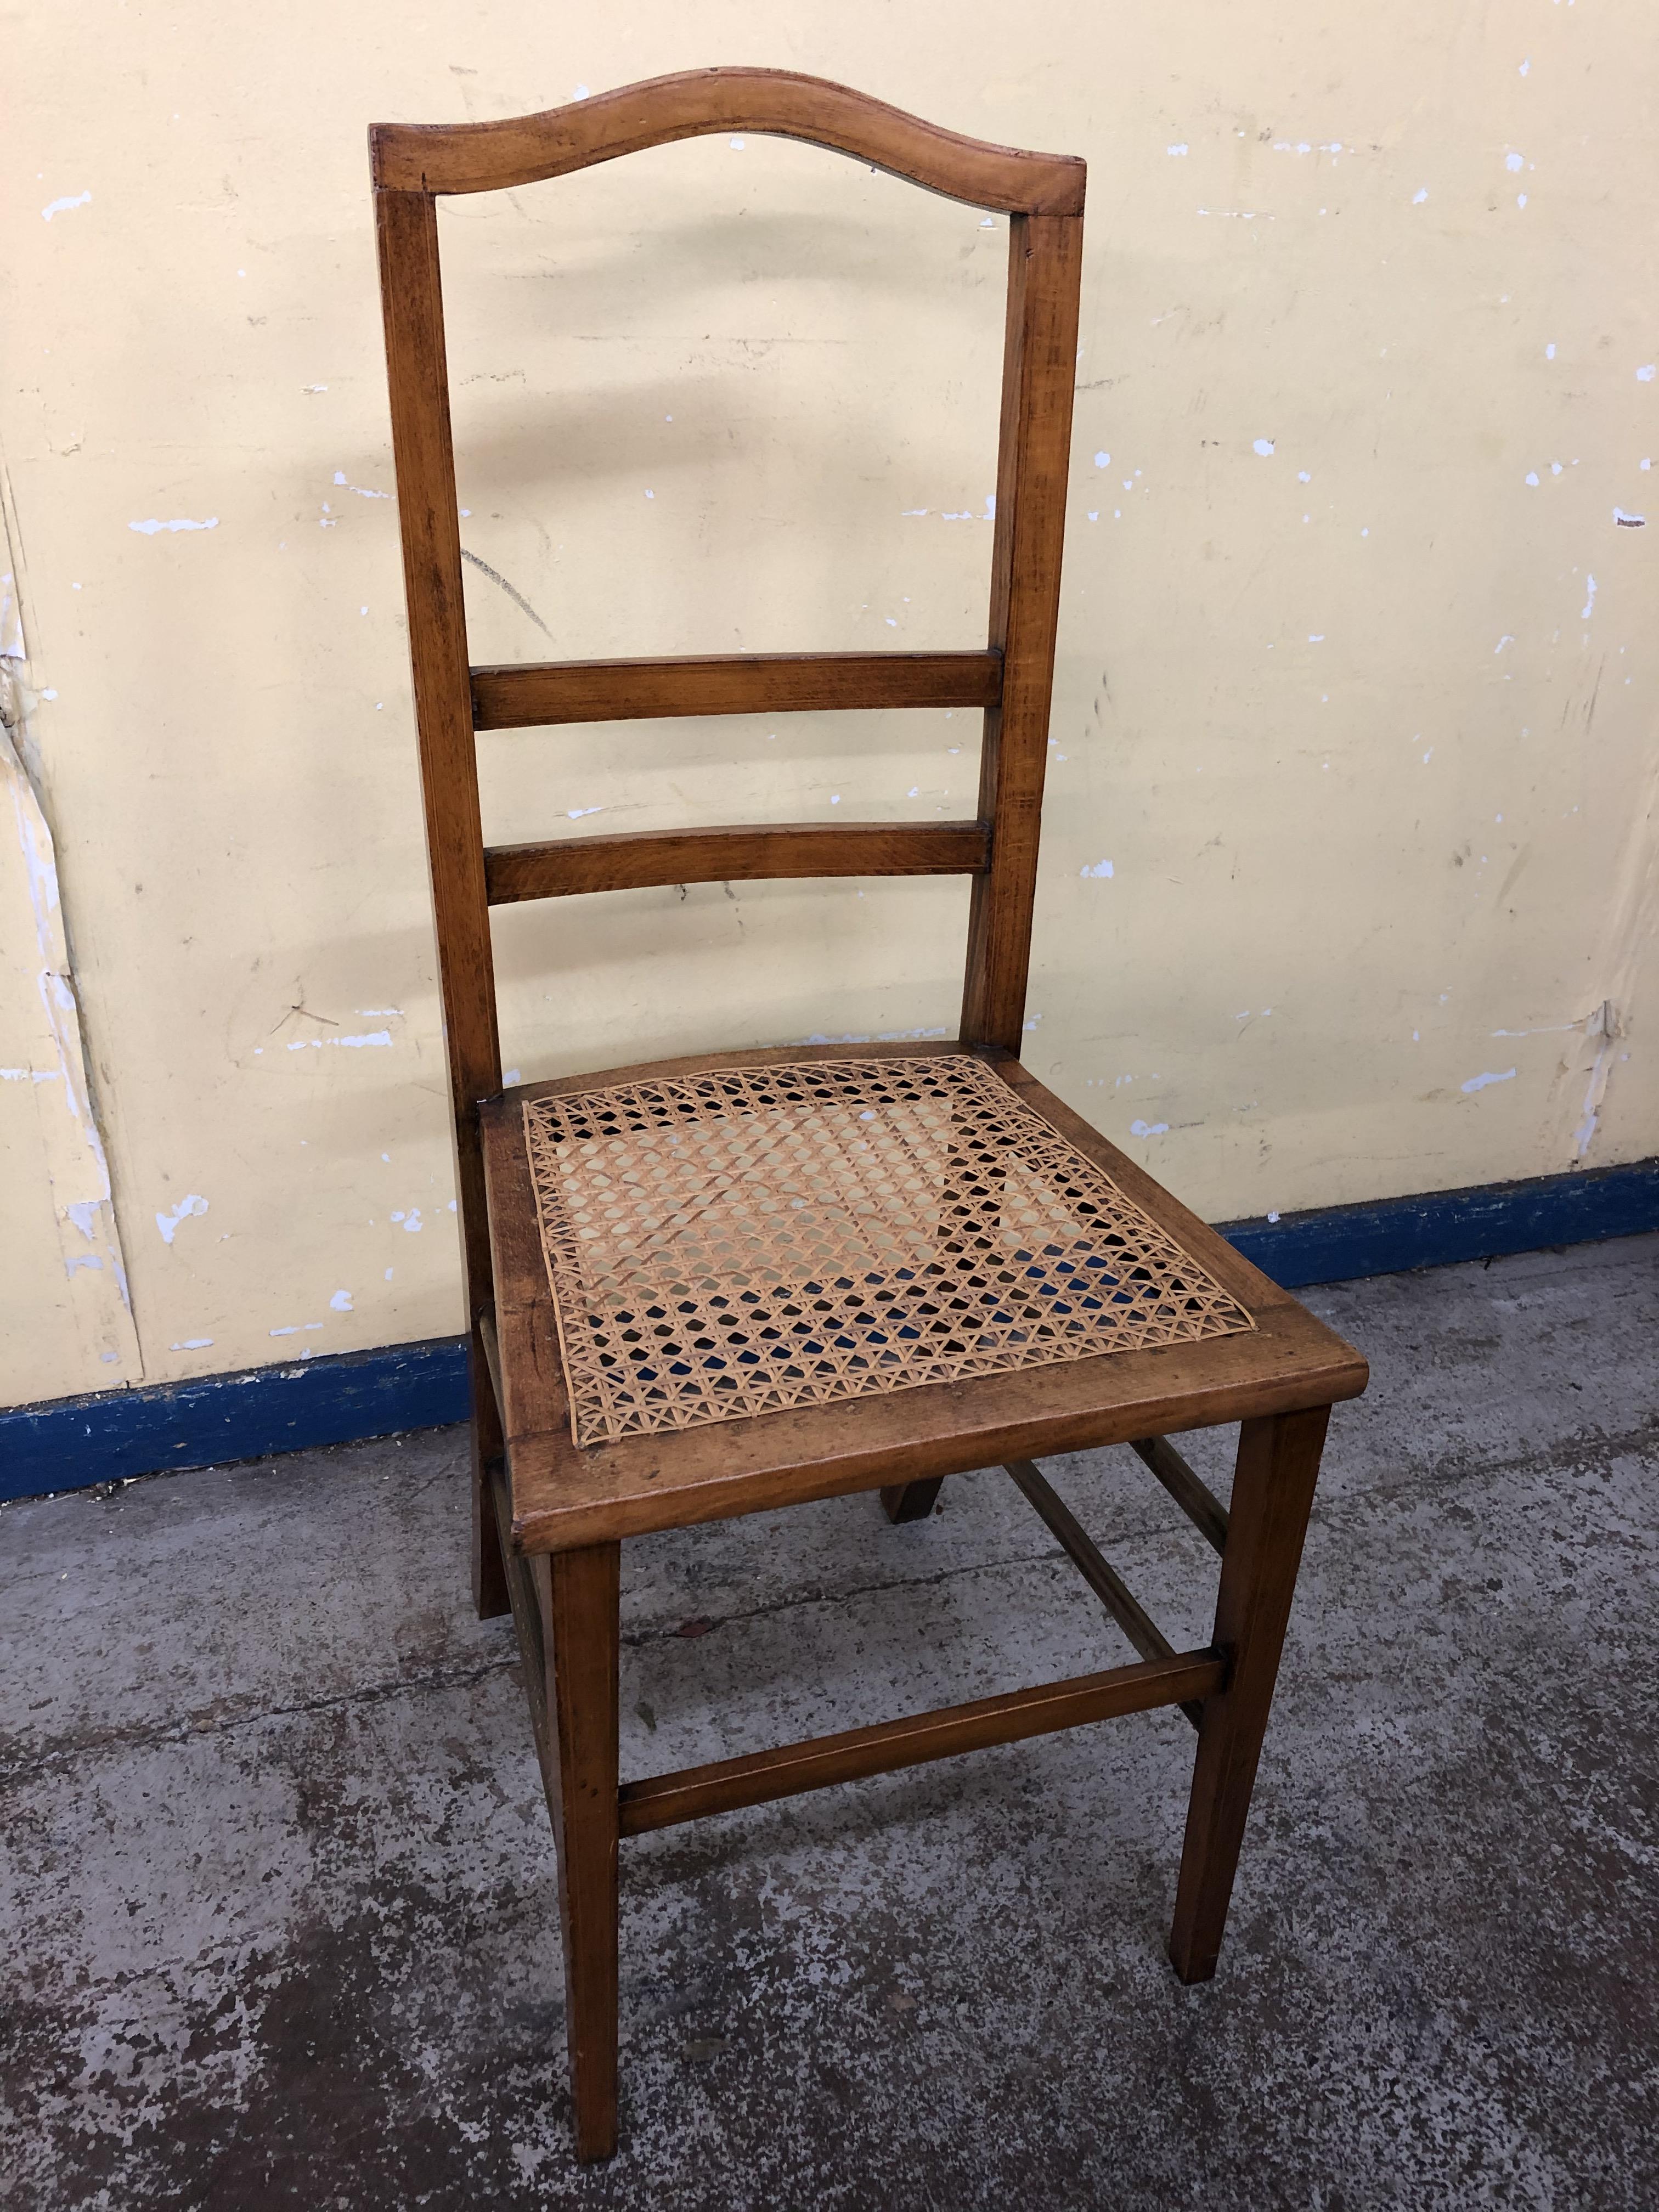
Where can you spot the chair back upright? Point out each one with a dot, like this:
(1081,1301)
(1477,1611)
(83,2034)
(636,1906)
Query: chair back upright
(1012,679)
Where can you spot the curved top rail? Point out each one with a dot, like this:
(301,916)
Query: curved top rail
(523,150)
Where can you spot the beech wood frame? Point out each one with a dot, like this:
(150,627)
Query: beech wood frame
(547,1519)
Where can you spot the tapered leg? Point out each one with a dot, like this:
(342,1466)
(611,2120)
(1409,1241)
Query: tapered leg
(489,1452)
(1272,1490)
(911,1501)
(581,1638)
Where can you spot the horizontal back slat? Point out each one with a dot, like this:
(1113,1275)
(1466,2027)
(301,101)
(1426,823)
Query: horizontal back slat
(639,858)
(536,693)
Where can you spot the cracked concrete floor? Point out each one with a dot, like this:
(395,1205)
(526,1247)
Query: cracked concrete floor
(278,1918)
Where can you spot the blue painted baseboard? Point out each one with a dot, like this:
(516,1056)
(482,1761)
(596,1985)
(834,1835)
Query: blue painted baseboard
(1385,1238)
(73,1443)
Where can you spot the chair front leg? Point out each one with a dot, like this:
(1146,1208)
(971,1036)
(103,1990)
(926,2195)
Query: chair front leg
(1273,1492)
(582,1590)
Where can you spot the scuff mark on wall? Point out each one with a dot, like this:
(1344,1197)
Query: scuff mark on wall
(512,591)
(38,1007)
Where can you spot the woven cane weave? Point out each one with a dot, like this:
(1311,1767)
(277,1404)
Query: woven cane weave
(752,1238)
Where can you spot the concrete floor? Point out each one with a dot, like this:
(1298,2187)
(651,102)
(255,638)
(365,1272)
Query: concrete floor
(278,1914)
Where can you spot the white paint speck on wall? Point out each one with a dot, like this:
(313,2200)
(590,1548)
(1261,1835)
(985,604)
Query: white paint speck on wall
(370,1039)
(186,1209)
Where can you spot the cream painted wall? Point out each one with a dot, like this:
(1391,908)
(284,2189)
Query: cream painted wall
(1348,881)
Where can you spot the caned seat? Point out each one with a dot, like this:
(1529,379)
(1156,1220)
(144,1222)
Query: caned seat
(710,1300)
(737,1241)
(701,1287)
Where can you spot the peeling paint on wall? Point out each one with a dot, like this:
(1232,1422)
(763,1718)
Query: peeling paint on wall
(1602,1031)
(56,1177)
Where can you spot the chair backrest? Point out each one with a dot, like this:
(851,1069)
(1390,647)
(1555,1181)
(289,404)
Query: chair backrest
(1012,679)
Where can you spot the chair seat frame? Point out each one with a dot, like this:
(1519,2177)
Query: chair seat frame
(549,1519)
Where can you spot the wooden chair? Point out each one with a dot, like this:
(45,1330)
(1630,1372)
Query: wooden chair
(712,1286)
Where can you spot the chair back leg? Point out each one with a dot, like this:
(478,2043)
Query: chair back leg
(1273,1492)
(911,1501)
(488,1453)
